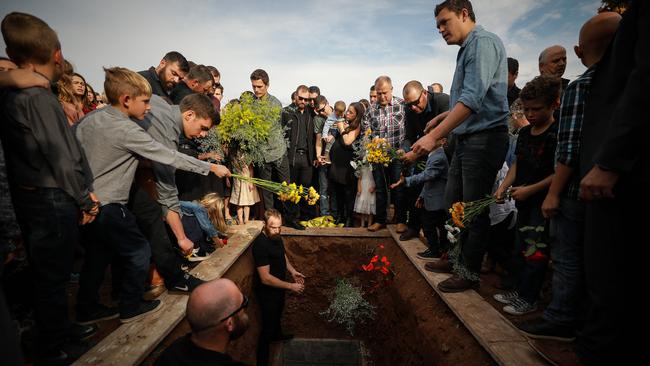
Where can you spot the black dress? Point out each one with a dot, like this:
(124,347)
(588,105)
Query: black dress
(341,155)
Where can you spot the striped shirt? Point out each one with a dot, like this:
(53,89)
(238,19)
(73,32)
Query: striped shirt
(569,133)
(387,121)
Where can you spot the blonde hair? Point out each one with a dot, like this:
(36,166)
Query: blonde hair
(122,81)
(213,203)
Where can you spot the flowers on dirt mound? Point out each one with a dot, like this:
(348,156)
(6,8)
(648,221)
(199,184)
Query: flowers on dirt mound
(285,192)
(380,265)
(244,127)
(348,307)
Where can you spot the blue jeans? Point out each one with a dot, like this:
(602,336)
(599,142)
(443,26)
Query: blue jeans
(475,162)
(328,204)
(531,274)
(48,219)
(384,176)
(568,266)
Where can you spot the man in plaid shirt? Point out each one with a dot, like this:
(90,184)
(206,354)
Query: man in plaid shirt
(386,120)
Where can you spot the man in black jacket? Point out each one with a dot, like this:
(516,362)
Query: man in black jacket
(617,167)
(170,71)
(421,107)
(299,124)
(198,80)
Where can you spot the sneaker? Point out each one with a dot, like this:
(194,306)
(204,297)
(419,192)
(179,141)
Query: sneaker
(186,284)
(542,329)
(519,306)
(506,297)
(96,313)
(197,255)
(140,311)
(428,255)
(82,332)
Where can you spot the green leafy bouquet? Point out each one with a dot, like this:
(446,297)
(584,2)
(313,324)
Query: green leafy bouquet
(244,128)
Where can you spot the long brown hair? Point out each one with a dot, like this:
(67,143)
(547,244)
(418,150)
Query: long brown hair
(354,124)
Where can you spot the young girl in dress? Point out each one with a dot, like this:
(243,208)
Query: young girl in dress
(365,202)
(244,195)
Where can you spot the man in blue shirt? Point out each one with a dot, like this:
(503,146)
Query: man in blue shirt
(478,121)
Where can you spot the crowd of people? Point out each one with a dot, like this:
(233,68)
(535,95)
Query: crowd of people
(122,175)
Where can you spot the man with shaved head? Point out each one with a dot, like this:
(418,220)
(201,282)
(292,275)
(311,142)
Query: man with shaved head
(561,205)
(216,312)
(421,107)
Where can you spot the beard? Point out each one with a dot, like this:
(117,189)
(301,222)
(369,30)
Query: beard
(241,325)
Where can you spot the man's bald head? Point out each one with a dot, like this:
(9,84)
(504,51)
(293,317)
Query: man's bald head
(552,61)
(211,302)
(595,36)
(412,87)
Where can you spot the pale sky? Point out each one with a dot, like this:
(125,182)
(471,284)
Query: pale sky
(339,45)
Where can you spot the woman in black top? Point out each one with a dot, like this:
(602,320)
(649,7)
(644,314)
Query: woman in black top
(341,174)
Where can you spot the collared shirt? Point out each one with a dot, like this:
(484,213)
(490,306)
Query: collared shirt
(40,145)
(481,82)
(112,143)
(386,121)
(569,132)
(276,147)
(165,124)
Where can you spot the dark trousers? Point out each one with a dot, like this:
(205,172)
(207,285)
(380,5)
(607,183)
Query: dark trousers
(115,234)
(271,307)
(531,273)
(148,214)
(48,219)
(501,244)
(301,174)
(616,261)
(414,214)
(277,171)
(11,352)
(433,226)
(345,195)
(476,160)
(384,176)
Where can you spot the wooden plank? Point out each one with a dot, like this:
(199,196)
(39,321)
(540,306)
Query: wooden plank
(491,329)
(346,232)
(131,343)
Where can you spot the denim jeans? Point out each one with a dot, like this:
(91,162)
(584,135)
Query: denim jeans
(115,233)
(531,274)
(568,267)
(328,204)
(48,219)
(475,162)
(384,176)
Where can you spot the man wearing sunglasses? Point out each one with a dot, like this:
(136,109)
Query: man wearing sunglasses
(272,265)
(421,107)
(216,312)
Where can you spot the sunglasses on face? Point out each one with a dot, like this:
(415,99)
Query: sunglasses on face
(304,99)
(243,306)
(415,102)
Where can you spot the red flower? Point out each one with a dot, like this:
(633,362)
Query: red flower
(374,259)
(224,241)
(381,246)
(538,256)
(368,267)
(384,270)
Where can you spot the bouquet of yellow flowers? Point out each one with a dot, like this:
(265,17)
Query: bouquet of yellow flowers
(285,192)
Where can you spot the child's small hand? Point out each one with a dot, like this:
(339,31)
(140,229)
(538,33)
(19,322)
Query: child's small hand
(400,182)
(419,203)
(520,193)
(372,189)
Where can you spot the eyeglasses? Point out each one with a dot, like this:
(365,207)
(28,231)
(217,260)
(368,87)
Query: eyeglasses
(304,99)
(415,102)
(243,306)
(321,109)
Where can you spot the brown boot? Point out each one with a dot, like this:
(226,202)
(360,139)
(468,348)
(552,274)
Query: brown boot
(376,226)
(456,284)
(441,266)
(401,228)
